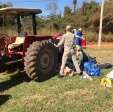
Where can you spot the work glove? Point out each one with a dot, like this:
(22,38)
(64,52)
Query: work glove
(55,45)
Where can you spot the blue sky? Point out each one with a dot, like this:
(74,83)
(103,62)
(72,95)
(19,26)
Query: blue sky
(42,3)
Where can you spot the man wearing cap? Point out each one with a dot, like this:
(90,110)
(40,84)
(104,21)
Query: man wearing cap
(67,41)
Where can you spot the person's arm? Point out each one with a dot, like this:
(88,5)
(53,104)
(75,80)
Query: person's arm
(61,42)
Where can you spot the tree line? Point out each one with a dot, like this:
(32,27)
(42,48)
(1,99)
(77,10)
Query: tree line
(87,16)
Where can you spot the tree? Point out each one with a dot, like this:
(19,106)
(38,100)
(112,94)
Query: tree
(89,7)
(52,8)
(8,19)
(67,11)
(8,4)
(74,4)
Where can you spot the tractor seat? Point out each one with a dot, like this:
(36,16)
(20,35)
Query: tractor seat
(18,42)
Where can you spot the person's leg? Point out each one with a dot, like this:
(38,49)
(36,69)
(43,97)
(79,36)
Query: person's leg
(75,62)
(80,57)
(64,59)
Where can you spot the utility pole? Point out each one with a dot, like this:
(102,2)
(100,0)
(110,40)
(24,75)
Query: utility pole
(100,29)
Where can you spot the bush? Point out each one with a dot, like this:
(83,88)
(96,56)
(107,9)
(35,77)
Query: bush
(107,37)
(93,37)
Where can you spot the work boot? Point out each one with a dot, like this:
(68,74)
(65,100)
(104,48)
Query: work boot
(77,73)
(61,75)
(72,73)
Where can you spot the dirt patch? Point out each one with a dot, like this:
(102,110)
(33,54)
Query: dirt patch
(103,45)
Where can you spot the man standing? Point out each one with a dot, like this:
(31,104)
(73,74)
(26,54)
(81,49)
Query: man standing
(67,41)
(79,37)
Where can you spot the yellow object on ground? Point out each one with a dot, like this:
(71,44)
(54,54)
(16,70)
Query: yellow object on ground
(106,82)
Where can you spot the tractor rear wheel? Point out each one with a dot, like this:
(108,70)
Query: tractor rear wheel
(40,60)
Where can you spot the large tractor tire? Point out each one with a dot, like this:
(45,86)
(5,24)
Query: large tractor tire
(40,60)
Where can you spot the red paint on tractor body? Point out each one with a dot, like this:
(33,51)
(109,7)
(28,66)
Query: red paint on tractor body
(4,42)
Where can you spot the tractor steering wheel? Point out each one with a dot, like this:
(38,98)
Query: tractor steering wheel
(3,36)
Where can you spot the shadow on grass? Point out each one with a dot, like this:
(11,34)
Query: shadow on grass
(105,65)
(19,77)
(4,98)
(46,77)
(11,67)
(14,80)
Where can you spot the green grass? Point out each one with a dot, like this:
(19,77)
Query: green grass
(70,94)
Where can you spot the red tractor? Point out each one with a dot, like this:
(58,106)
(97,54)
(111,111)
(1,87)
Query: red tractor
(38,53)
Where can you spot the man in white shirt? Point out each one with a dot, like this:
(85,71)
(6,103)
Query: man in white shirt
(67,41)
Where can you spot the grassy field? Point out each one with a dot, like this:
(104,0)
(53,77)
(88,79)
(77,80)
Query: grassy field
(70,94)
